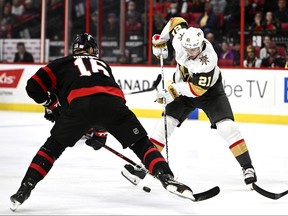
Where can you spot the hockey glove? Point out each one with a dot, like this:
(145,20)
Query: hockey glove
(96,138)
(52,108)
(169,95)
(159,46)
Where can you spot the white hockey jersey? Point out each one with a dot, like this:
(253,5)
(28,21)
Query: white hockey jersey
(193,77)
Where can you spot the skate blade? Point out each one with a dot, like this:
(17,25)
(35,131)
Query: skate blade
(14,205)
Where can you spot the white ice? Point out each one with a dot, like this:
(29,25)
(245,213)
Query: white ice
(87,182)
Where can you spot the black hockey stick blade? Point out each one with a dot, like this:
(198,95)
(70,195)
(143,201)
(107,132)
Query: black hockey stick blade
(135,171)
(188,194)
(268,194)
(207,194)
(131,178)
(152,88)
(157,81)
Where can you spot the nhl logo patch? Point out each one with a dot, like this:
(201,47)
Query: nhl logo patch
(135,131)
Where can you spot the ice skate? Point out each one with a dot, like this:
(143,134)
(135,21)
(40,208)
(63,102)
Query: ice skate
(249,175)
(22,194)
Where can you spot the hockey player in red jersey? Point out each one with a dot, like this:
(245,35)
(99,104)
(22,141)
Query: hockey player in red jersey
(197,83)
(89,96)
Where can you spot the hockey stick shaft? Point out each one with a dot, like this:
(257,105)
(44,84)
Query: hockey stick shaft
(154,86)
(120,155)
(126,158)
(164,109)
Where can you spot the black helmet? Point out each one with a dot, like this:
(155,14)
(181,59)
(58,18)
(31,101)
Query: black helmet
(84,42)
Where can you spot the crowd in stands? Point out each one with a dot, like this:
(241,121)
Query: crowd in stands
(219,20)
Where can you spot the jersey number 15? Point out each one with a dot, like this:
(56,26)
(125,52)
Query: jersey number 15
(94,67)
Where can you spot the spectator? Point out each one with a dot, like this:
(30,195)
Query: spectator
(55,14)
(211,38)
(270,24)
(7,22)
(251,9)
(111,29)
(158,23)
(208,21)
(133,25)
(17,8)
(274,60)
(30,8)
(94,24)
(226,52)
(131,11)
(236,50)
(218,5)
(257,27)
(77,16)
(281,14)
(22,55)
(173,11)
(251,59)
(264,50)
(198,5)
(184,6)
(231,18)
(133,20)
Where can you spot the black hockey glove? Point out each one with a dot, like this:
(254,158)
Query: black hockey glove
(96,138)
(52,108)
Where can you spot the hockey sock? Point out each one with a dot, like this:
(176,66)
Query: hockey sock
(150,156)
(40,165)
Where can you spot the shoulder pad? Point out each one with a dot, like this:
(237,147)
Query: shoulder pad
(176,21)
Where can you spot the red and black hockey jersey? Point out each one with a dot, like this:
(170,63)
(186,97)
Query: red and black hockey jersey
(73,77)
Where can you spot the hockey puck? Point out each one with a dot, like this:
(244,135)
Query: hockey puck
(147,189)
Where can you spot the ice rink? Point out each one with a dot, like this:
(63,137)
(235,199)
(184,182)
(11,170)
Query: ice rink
(87,182)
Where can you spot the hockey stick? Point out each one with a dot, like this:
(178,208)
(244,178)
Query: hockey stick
(153,87)
(143,169)
(164,108)
(193,197)
(268,194)
(138,173)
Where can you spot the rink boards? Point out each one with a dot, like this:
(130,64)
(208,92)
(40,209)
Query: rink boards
(256,95)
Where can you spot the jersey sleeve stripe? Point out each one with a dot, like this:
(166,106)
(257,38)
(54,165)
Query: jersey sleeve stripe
(192,90)
(51,75)
(95,90)
(39,81)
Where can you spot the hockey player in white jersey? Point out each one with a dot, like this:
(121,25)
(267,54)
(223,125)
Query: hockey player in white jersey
(197,83)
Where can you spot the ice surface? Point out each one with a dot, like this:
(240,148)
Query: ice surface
(87,182)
